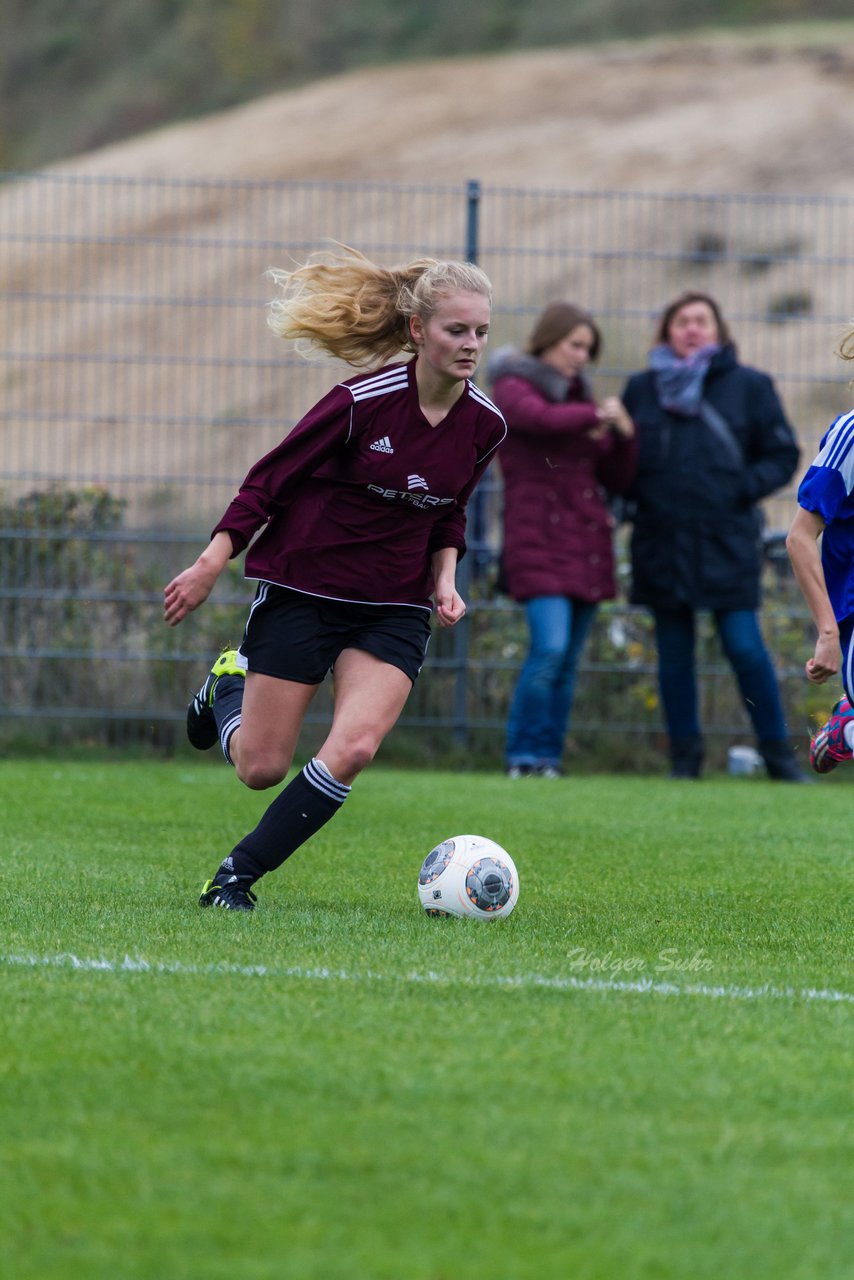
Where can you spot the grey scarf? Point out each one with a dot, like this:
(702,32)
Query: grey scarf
(678,382)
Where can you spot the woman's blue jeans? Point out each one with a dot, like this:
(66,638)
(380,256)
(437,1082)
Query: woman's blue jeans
(742,643)
(540,710)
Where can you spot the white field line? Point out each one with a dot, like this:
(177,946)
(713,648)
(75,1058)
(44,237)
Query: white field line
(637,986)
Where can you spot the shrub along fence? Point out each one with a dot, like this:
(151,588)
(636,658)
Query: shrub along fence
(140,383)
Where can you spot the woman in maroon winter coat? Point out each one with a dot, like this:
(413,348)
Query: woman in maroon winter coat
(563,454)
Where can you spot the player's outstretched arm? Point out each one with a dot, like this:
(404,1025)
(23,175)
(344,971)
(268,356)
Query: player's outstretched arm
(192,587)
(802,546)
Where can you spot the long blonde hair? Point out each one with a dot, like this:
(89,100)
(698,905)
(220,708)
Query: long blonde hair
(347,306)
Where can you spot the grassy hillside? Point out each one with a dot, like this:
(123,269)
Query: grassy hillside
(74,77)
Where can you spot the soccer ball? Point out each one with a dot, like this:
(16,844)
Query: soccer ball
(468,876)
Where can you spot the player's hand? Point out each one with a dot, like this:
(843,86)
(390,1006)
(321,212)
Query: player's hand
(450,606)
(825,661)
(186,592)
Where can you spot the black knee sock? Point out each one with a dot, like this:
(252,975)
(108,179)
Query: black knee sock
(227,704)
(306,804)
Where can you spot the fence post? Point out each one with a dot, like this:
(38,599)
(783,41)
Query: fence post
(472,219)
(464,576)
(479,561)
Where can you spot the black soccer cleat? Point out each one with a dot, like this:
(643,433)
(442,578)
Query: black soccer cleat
(233,894)
(201,722)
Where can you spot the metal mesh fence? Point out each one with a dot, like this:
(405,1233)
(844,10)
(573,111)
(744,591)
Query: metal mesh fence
(140,383)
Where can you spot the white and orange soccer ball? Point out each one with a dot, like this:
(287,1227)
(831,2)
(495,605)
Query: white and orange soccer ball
(468,876)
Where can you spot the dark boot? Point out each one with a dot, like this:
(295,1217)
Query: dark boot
(781,762)
(686,757)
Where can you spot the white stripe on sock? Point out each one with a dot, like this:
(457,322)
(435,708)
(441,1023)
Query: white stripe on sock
(321,779)
(229,726)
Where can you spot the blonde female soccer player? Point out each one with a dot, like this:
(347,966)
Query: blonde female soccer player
(362,516)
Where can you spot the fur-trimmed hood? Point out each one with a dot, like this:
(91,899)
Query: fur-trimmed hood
(510,362)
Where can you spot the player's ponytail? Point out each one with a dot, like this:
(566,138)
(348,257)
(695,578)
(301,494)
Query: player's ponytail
(846,346)
(347,306)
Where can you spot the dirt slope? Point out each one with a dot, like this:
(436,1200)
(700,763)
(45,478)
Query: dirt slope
(713,114)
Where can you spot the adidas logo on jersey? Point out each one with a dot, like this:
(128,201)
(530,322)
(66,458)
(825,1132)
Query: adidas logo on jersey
(382,446)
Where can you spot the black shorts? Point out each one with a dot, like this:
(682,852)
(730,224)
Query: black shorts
(298,637)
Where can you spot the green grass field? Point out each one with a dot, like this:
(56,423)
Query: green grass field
(644,1073)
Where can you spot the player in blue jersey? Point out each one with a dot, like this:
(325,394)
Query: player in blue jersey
(826,578)
(360,517)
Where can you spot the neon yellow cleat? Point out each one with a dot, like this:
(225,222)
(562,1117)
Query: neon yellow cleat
(201,722)
(230,892)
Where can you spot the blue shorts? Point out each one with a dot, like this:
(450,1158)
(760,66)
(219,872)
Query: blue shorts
(299,637)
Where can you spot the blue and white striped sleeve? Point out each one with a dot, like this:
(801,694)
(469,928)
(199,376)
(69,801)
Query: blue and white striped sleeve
(830,478)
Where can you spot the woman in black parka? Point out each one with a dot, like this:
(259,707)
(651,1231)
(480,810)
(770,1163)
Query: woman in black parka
(713,442)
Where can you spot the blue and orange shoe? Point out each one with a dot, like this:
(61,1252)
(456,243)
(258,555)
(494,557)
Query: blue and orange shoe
(201,723)
(829,748)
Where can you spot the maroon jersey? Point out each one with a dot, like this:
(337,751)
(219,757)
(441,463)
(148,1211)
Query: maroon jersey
(363,490)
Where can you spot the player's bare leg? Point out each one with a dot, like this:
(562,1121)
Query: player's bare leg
(369,697)
(263,746)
